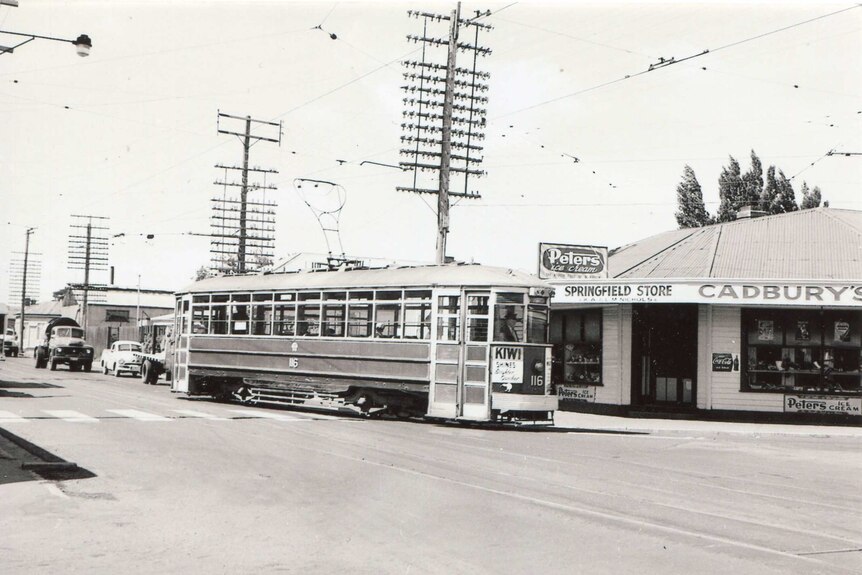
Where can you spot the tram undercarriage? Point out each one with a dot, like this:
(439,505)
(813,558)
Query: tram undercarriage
(348,399)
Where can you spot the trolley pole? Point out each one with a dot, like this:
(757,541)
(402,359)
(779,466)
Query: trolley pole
(24,290)
(446,140)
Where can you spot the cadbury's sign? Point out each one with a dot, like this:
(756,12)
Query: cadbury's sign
(567,261)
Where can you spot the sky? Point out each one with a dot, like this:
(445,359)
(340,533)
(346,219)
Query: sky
(130,132)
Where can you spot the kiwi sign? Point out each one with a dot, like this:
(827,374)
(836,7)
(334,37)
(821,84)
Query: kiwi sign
(563,261)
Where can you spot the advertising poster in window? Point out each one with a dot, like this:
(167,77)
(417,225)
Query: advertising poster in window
(765,330)
(842,331)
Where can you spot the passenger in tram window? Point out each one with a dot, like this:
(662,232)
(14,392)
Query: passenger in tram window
(508,324)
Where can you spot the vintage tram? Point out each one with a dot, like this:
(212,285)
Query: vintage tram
(454,341)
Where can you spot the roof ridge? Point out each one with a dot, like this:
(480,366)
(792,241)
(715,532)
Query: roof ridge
(825,212)
(663,250)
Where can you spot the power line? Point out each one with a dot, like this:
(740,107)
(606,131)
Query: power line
(664,63)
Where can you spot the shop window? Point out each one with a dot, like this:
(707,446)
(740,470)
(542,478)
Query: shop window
(577,339)
(802,351)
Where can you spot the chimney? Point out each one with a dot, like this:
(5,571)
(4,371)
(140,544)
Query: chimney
(749,213)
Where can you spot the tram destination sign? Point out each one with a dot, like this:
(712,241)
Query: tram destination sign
(564,261)
(716,291)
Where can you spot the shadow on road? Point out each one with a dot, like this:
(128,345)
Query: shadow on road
(22,461)
(4,384)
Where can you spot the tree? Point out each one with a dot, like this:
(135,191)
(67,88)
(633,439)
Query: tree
(769,196)
(203,273)
(786,196)
(691,211)
(731,192)
(753,181)
(810,199)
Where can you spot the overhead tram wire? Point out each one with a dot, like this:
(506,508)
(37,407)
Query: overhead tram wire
(666,63)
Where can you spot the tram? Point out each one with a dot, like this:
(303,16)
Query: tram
(455,341)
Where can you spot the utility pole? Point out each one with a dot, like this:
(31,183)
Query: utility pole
(248,140)
(88,252)
(24,289)
(433,125)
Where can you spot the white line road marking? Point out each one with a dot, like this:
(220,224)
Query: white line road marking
(55,491)
(9,417)
(275,416)
(69,415)
(139,415)
(199,414)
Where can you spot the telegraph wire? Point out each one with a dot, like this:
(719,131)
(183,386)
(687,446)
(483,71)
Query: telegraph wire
(667,62)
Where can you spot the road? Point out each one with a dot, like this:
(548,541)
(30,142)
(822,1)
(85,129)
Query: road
(180,485)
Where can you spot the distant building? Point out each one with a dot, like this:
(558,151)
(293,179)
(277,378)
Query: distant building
(115,316)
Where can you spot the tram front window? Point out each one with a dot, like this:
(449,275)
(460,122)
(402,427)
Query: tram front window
(509,317)
(537,323)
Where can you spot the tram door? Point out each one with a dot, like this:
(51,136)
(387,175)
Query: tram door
(459,364)
(182,323)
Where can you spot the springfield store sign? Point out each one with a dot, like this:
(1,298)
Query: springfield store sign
(727,292)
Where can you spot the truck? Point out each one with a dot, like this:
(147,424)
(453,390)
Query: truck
(156,340)
(64,344)
(10,343)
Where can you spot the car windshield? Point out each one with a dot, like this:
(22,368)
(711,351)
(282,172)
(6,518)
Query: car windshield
(129,347)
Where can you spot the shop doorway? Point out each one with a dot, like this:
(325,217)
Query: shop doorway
(664,355)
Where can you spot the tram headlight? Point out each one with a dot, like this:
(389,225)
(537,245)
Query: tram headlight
(538,366)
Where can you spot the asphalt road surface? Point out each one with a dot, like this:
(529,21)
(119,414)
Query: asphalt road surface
(177,485)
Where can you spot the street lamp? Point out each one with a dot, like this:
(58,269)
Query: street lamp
(82,43)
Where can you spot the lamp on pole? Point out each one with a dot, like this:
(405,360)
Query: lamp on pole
(82,43)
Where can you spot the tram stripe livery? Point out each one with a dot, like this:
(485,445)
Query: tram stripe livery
(448,341)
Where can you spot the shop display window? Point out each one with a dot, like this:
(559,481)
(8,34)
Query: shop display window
(577,340)
(817,351)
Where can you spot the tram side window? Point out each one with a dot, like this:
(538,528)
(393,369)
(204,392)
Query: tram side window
(477,318)
(333,320)
(448,310)
(285,319)
(308,319)
(185,326)
(417,320)
(537,320)
(386,320)
(200,318)
(359,320)
(239,320)
(218,319)
(262,319)
(509,317)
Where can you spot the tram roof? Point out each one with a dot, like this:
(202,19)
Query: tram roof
(448,275)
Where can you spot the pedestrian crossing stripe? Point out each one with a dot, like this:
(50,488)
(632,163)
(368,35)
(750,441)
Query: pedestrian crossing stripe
(69,415)
(139,415)
(9,417)
(73,416)
(199,414)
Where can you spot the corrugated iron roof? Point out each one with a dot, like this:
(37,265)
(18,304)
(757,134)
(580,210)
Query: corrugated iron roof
(819,243)
(468,275)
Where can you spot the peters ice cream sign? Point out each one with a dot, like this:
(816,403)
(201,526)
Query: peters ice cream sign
(562,261)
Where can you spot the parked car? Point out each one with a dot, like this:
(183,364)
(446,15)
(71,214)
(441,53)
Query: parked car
(10,343)
(120,357)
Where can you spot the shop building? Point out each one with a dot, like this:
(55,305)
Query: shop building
(760,316)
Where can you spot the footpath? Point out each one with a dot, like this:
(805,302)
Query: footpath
(585,422)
